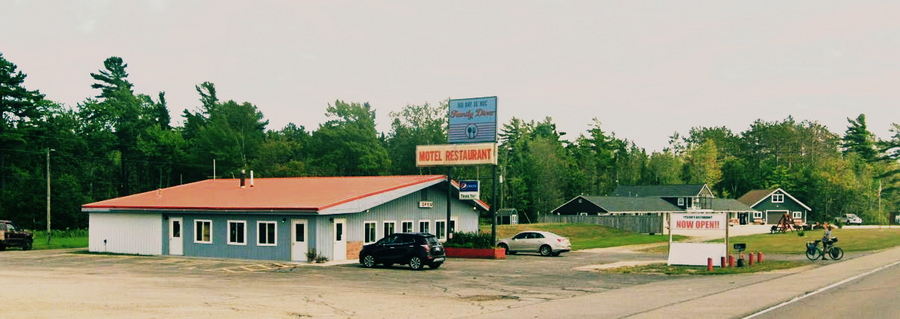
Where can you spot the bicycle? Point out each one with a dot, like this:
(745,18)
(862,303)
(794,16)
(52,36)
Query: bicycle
(813,251)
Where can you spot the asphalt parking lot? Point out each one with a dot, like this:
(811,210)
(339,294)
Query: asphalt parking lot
(73,283)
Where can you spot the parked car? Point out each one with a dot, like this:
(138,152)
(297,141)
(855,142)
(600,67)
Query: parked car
(851,219)
(414,249)
(545,243)
(11,236)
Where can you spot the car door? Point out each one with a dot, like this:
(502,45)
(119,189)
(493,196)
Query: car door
(396,249)
(535,241)
(518,242)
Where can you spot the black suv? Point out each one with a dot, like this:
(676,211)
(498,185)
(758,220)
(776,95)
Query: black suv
(413,249)
(10,236)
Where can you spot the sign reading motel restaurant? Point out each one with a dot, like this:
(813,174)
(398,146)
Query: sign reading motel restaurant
(456,154)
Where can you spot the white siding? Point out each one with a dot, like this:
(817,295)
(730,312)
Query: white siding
(127,233)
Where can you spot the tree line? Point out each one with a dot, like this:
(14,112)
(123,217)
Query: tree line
(122,142)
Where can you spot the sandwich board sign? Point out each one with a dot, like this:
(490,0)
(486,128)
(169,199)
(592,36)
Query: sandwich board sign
(468,189)
(695,254)
(473,120)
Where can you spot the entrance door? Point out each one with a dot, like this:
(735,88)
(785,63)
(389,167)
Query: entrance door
(340,239)
(299,242)
(176,242)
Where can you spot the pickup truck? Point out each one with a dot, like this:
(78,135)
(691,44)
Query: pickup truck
(12,237)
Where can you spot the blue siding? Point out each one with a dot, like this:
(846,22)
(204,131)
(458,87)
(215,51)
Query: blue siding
(220,247)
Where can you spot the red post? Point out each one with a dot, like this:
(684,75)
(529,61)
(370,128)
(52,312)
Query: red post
(731,261)
(722,263)
(759,257)
(750,261)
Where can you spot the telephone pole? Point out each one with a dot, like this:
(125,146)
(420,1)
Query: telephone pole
(48,194)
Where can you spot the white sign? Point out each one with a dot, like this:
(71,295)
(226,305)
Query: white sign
(682,221)
(456,154)
(695,254)
(469,190)
(426,204)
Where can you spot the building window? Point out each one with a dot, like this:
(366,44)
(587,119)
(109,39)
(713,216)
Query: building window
(370,232)
(582,214)
(425,226)
(453,225)
(388,228)
(267,234)
(757,215)
(778,198)
(406,226)
(798,215)
(440,228)
(203,231)
(681,201)
(237,234)
(299,232)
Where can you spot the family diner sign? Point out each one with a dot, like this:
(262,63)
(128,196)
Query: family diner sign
(473,120)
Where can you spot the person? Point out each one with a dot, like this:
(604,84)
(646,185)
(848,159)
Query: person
(826,238)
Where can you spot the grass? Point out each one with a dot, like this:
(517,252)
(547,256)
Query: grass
(77,238)
(849,240)
(582,236)
(663,269)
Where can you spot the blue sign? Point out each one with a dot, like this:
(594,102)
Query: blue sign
(473,120)
(468,186)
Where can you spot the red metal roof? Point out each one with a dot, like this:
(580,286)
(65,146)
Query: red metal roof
(292,193)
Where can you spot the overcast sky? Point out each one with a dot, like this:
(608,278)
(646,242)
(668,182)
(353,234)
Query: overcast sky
(645,68)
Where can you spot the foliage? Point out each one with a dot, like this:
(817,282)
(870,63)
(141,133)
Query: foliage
(470,240)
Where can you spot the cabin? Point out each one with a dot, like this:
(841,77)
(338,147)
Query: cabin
(770,205)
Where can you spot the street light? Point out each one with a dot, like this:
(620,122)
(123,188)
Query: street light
(48,194)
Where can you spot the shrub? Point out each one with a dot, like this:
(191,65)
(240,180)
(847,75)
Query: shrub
(311,255)
(470,240)
(801,233)
(321,259)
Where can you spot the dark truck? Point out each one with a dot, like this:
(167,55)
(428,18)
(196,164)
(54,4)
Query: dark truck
(12,237)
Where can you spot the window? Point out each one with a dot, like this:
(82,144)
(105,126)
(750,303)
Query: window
(798,215)
(299,232)
(370,232)
(536,235)
(237,234)
(203,231)
(453,225)
(687,202)
(757,215)
(582,214)
(680,201)
(778,198)
(339,232)
(388,228)
(440,228)
(522,236)
(267,234)
(425,226)
(406,226)
(176,229)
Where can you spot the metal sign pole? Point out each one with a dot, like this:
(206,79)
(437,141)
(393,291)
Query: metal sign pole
(494,209)
(449,191)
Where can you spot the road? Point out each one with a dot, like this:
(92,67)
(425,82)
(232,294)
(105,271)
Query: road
(874,296)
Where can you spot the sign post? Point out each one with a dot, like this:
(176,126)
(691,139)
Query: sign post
(696,253)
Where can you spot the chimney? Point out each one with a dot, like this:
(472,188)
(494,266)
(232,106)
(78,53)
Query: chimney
(251,178)
(242,178)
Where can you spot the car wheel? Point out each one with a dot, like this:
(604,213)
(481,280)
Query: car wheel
(368,261)
(435,265)
(545,250)
(27,245)
(415,263)
(2,247)
(505,248)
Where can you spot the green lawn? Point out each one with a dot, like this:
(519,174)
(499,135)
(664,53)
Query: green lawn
(768,265)
(849,240)
(582,236)
(61,239)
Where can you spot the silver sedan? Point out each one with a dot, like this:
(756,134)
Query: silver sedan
(545,243)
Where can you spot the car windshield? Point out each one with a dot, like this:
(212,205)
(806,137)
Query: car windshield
(9,227)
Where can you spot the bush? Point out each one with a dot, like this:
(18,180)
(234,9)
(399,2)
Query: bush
(801,233)
(470,240)
(311,255)
(321,259)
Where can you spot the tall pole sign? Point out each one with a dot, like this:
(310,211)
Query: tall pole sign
(473,120)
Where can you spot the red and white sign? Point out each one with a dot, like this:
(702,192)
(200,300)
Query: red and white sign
(456,154)
(698,221)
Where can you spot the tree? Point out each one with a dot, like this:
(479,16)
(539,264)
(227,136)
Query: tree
(112,78)
(415,125)
(18,105)
(702,166)
(859,140)
(347,144)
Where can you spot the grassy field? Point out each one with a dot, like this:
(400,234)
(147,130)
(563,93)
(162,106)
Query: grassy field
(701,270)
(849,240)
(582,236)
(61,239)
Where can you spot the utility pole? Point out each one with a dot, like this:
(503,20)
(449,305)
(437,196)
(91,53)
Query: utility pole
(214,168)
(449,189)
(48,195)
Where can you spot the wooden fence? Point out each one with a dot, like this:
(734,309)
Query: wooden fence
(637,224)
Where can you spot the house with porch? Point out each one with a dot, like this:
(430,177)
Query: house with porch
(770,205)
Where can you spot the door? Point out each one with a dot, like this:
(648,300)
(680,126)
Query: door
(774,216)
(340,239)
(176,242)
(299,241)
(518,242)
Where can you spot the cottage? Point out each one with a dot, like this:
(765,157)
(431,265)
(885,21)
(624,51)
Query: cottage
(685,196)
(276,218)
(771,205)
(614,205)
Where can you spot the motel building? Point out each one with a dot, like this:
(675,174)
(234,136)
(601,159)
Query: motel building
(277,218)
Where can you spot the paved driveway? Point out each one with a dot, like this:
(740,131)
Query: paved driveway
(64,283)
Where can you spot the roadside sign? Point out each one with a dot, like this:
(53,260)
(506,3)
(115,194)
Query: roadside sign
(456,154)
(698,221)
(469,189)
(696,254)
(473,120)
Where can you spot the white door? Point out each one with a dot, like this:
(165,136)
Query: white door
(176,242)
(299,242)
(340,239)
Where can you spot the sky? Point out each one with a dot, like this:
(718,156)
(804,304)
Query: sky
(645,69)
